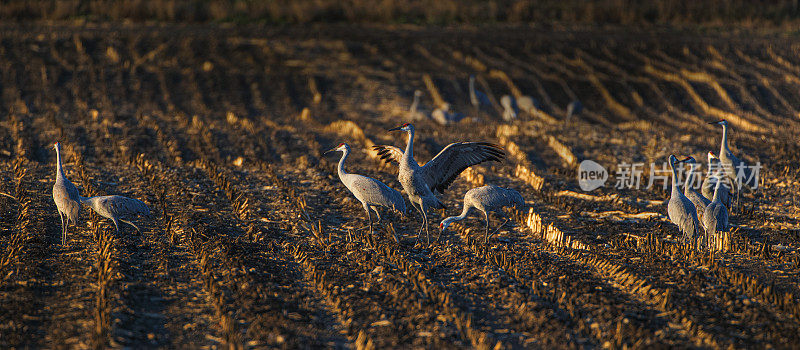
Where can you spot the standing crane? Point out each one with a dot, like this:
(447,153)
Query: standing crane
(700,202)
(487,198)
(420,182)
(443,116)
(477,98)
(117,208)
(66,197)
(528,104)
(735,169)
(715,218)
(573,108)
(414,111)
(681,210)
(510,109)
(370,192)
(714,175)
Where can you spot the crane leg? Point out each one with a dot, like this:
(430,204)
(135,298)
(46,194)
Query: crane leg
(486,213)
(423,216)
(377,213)
(63,229)
(425,221)
(116,225)
(369,217)
(130,223)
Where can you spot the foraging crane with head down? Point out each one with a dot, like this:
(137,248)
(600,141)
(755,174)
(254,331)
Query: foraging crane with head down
(117,209)
(487,198)
(420,182)
(370,192)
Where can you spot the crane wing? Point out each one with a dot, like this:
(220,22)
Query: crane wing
(443,169)
(389,154)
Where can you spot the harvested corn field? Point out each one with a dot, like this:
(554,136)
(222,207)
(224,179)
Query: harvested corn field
(253,242)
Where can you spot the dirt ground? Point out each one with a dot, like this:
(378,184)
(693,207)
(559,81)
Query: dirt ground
(253,242)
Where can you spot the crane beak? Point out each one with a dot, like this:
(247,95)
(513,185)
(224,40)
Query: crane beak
(394,129)
(329,151)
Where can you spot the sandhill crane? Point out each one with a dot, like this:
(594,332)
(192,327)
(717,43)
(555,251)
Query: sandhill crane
(370,192)
(420,182)
(715,218)
(443,116)
(66,197)
(700,202)
(510,109)
(414,112)
(487,198)
(735,169)
(714,175)
(573,108)
(117,208)
(477,98)
(680,209)
(528,104)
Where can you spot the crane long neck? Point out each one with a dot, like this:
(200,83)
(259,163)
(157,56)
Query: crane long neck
(340,168)
(716,190)
(675,188)
(723,147)
(59,167)
(408,155)
(688,184)
(414,104)
(472,88)
(464,213)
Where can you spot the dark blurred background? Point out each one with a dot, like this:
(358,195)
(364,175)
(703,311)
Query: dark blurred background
(624,12)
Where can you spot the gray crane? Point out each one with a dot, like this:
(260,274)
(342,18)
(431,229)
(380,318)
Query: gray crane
(510,110)
(700,202)
(528,104)
(573,108)
(443,116)
(487,198)
(477,98)
(370,192)
(117,208)
(681,210)
(66,197)
(713,176)
(735,169)
(414,111)
(420,182)
(715,218)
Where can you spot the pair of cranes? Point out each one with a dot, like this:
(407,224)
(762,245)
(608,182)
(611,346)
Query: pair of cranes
(68,202)
(690,210)
(422,183)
